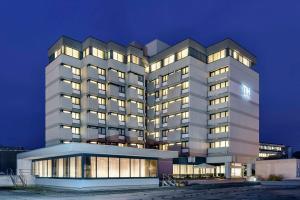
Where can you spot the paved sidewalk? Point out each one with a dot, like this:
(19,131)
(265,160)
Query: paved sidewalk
(186,193)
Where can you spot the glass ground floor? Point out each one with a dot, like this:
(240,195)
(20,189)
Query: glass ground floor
(192,171)
(95,167)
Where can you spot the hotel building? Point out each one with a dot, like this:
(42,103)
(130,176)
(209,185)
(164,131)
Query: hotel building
(202,102)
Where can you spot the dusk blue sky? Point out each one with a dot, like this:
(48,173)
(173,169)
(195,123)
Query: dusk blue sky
(268,29)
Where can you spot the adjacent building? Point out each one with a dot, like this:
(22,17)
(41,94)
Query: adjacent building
(202,102)
(274,151)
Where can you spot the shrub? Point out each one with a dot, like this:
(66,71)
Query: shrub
(273,177)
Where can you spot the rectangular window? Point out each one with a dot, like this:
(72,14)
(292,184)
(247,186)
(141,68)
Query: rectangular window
(101,72)
(71,52)
(219,129)
(121,75)
(98,53)
(219,86)
(219,71)
(117,56)
(165,78)
(184,70)
(185,85)
(184,130)
(102,86)
(219,144)
(182,54)
(216,56)
(155,66)
(185,115)
(219,115)
(86,52)
(113,167)
(121,103)
(102,167)
(170,59)
(124,167)
(218,100)
(135,168)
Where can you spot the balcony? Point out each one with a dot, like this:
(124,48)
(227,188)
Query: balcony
(66,103)
(132,94)
(134,137)
(91,134)
(152,126)
(217,106)
(214,122)
(174,121)
(174,107)
(217,78)
(66,72)
(174,92)
(112,106)
(133,122)
(92,88)
(66,118)
(113,90)
(150,113)
(66,87)
(113,135)
(136,68)
(65,134)
(218,151)
(151,100)
(92,103)
(217,136)
(92,119)
(174,136)
(152,86)
(114,78)
(218,92)
(133,109)
(92,73)
(132,79)
(174,78)
(113,121)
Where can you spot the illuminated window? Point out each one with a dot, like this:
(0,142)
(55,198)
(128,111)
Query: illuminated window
(155,66)
(121,103)
(164,92)
(218,100)
(133,59)
(182,54)
(75,130)
(71,52)
(121,118)
(239,57)
(101,71)
(185,85)
(216,56)
(219,129)
(185,115)
(219,115)
(117,56)
(57,52)
(165,78)
(184,70)
(219,71)
(75,86)
(102,86)
(121,75)
(169,60)
(75,115)
(185,100)
(219,144)
(101,116)
(86,52)
(98,53)
(219,86)
(165,106)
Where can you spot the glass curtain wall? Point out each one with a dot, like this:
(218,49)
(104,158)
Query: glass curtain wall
(90,166)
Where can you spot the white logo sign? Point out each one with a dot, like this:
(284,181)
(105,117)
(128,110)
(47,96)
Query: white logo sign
(246,92)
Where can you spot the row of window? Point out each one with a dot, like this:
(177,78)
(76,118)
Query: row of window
(218,86)
(219,129)
(219,71)
(219,144)
(168,60)
(219,115)
(270,147)
(219,100)
(231,52)
(164,119)
(95,167)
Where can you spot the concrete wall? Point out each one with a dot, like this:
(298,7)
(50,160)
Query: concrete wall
(288,168)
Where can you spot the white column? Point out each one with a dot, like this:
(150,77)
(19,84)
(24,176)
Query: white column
(249,169)
(227,170)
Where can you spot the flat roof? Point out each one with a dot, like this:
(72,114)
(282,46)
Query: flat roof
(84,148)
